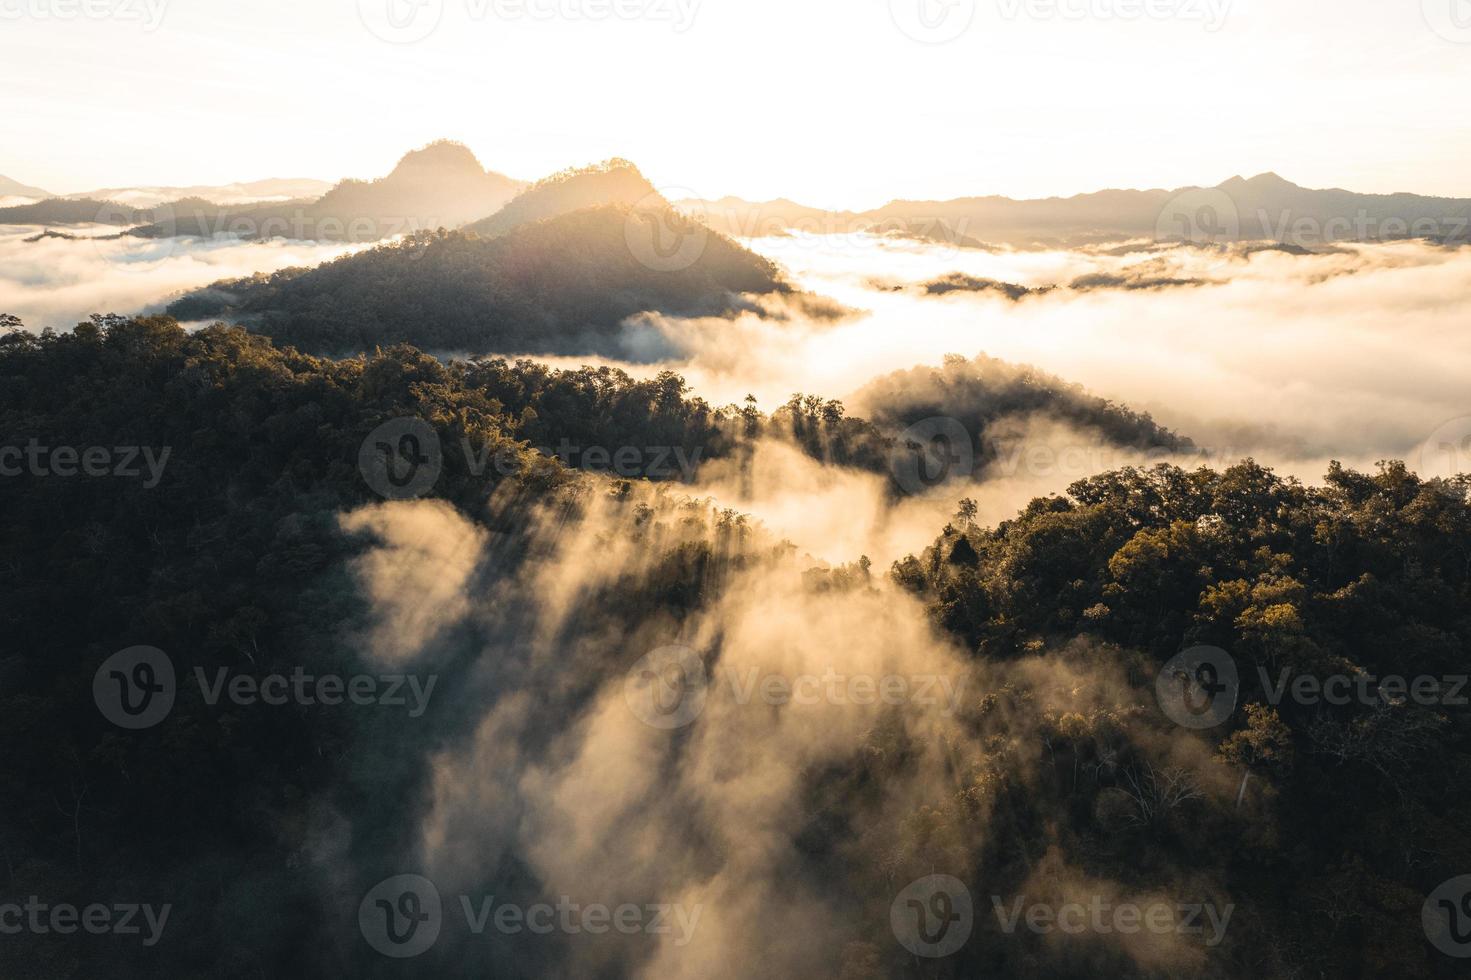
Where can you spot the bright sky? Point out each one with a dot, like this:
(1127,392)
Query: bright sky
(830,102)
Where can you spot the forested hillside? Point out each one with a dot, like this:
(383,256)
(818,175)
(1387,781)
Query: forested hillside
(1348,813)
(613,182)
(557,286)
(1323,827)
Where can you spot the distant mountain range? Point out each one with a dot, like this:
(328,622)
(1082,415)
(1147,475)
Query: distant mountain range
(557,272)
(1266,207)
(246,192)
(442,185)
(14,188)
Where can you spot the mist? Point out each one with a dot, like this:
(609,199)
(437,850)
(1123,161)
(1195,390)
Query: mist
(1358,353)
(563,775)
(57,282)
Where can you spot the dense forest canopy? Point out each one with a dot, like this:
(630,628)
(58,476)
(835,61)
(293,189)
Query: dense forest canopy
(614,181)
(559,286)
(1328,824)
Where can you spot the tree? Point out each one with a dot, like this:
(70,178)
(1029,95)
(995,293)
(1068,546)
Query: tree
(1265,743)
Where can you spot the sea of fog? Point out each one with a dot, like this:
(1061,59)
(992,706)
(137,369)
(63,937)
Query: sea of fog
(550,773)
(1357,354)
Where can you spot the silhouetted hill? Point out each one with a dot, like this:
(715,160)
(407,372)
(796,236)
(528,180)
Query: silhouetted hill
(748,219)
(440,186)
(614,181)
(985,395)
(244,192)
(14,188)
(563,285)
(1266,207)
(1275,209)
(66,211)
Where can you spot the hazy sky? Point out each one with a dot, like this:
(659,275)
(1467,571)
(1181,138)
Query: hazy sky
(827,101)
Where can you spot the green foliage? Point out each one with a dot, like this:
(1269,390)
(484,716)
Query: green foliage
(559,286)
(1368,575)
(981,392)
(613,182)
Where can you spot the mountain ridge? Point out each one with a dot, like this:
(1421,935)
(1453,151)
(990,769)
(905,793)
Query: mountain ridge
(1264,207)
(439,185)
(562,285)
(9,187)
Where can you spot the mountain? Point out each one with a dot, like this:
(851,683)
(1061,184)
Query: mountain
(155,205)
(1266,207)
(983,392)
(782,217)
(615,181)
(80,211)
(559,286)
(14,188)
(246,192)
(442,185)
(1275,209)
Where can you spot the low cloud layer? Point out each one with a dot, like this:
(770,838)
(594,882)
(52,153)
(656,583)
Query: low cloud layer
(57,282)
(776,828)
(1359,353)
(1356,353)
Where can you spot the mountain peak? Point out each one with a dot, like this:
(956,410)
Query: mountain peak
(1261,182)
(615,181)
(618,167)
(1270,179)
(442,156)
